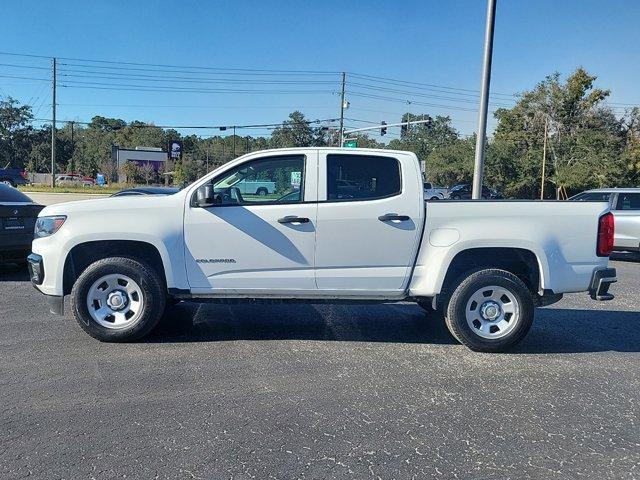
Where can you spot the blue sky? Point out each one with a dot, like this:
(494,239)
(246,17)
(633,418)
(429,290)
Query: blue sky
(438,43)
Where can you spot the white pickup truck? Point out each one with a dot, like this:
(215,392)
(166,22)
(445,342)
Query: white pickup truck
(355,229)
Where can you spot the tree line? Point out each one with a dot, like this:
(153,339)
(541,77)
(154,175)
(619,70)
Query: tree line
(583,142)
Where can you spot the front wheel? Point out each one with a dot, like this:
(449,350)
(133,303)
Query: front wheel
(118,299)
(7,181)
(490,311)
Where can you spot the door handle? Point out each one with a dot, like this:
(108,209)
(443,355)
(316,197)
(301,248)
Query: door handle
(387,217)
(293,219)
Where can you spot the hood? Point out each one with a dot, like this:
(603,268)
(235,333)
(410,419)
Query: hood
(111,204)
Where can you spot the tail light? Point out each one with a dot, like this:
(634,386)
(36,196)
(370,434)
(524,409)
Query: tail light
(606,229)
(24,174)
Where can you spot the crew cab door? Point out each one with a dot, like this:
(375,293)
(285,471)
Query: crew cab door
(370,219)
(253,244)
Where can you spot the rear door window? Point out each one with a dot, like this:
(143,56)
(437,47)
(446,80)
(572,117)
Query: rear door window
(628,201)
(362,177)
(11,195)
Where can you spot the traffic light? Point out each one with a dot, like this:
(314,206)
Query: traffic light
(383,130)
(403,129)
(429,122)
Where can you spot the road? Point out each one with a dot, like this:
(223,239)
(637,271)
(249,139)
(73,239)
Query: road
(52,198)
(304,391)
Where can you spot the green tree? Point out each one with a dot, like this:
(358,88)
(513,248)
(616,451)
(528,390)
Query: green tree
(422,139)
(15,133)
(584,138)
(296,132)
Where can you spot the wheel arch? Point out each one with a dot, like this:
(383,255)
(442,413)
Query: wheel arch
(523,263)
(84,254)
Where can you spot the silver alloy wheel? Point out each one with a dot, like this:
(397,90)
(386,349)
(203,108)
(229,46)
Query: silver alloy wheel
(115,301)
(492,312)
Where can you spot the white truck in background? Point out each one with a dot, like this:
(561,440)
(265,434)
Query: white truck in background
(355,229)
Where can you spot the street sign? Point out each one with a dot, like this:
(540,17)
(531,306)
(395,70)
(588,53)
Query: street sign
(175,149)
(350,144)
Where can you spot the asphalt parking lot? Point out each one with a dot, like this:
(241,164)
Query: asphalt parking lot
(304,391)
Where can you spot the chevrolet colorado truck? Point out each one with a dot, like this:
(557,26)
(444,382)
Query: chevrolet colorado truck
(356,228)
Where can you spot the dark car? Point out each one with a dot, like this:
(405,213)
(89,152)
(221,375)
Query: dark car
(13,177)
(463,191)
(146,191)
(17,220)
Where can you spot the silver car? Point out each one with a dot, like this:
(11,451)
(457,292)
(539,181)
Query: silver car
(625,206)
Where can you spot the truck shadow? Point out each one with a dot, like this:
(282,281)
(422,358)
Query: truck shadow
(555,330)
(626,256)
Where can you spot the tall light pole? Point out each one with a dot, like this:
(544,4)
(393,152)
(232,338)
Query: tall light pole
(53,123)
(478,169)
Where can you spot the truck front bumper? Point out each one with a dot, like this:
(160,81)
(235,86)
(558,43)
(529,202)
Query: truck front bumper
(600,283)
(36,272)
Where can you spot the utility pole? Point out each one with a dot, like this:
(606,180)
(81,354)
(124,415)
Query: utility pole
(53,124)
(544,159)
(478,169)
(234,141)
(73,147)
(344,77)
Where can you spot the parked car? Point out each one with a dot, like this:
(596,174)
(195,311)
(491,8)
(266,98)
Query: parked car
(382,244)
(146,191)
(463,191)
(74,180)
(625,206)
(433,193)
(256,187)
(17,219)
(13,177)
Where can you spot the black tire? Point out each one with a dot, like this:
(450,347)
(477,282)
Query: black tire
(455,197)
(153,292)
(455,315)
(8,181)
(434,198)
(262,192)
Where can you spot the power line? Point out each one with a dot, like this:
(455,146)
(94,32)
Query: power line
(413,94)
(430,85)
(169,79)
(194,127)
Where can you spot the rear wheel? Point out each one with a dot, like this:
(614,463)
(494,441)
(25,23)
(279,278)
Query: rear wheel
(118,299)
(490,311)
(455,197)
(262,192)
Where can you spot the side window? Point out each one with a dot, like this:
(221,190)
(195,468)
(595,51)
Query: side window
(592,197)
(362,177)
(628,201)
(269,180)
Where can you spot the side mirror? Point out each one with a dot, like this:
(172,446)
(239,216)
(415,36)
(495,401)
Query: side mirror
(206,196)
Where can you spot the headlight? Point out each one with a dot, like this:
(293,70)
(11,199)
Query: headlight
(46,226)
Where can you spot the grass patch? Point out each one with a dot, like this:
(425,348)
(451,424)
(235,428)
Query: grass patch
(72,189)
